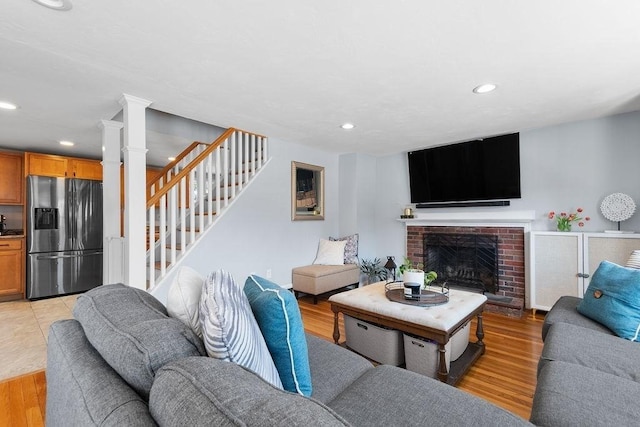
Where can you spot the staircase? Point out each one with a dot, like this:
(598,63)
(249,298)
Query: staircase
(192,193)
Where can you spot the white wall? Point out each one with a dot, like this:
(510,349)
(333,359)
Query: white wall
(562,167)
(257,233)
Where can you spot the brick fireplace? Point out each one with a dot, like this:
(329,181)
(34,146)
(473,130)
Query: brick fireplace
(506,293)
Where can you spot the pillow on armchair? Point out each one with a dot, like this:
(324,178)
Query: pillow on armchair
(613,299)
(350,249)
(330,253)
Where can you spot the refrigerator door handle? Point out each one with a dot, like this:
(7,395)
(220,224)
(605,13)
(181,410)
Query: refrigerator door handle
(55,256)
(89,254)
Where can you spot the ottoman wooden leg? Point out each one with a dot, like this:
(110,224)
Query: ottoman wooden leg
(480,332)
(443,374)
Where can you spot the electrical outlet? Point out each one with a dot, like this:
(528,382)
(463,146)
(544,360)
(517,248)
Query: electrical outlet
(268,273)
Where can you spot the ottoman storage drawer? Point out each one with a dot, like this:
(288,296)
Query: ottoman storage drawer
(421,354)
(378,343)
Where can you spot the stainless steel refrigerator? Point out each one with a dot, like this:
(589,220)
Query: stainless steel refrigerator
(64,236)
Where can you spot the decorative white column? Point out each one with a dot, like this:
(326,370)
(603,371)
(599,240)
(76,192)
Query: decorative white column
(135,224)
(112,258)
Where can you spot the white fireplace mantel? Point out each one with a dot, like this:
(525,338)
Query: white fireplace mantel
(519,219)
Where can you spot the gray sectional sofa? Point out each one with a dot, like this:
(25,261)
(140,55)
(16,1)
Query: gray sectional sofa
(123,361)
(587,376)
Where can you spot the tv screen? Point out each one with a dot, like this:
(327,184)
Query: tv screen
(486,169)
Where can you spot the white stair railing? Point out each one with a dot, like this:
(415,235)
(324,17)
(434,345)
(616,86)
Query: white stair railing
(190,195)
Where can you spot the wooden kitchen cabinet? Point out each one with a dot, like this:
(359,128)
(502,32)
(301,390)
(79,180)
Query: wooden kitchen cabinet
(46,165)
(12,265)
(86,169)
(11,181)
(64,167)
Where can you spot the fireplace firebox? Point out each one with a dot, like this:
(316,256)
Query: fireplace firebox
(467,261)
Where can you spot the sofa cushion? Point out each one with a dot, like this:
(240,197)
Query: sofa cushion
(132,332)
(82,389)
(350,249)
(330,253)
(278,315)
(205,391)
(573,395)
(230,330)
(565,310)
(333,368)
(183,299)
(586,347)
(387,396)
(613,299)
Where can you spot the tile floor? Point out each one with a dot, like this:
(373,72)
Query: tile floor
(24,326)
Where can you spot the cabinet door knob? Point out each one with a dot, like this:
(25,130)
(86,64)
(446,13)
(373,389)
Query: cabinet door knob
(585,275)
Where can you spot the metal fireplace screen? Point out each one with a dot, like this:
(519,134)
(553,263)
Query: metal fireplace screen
(463,260)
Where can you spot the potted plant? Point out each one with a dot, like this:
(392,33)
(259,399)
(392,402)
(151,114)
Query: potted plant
(373,270)
(415,274)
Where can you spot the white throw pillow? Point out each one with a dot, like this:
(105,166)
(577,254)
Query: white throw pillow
(350,249)
(330,253)
(183,300)
(230,331)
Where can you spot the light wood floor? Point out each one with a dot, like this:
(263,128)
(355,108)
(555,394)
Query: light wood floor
(505,375)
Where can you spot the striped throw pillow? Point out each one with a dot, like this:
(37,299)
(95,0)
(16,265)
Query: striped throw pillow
(634,259)
(229,329)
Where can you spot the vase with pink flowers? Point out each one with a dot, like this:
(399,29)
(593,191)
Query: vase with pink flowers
(564,220)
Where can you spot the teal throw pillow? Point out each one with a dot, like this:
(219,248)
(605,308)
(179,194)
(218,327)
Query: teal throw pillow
(279,319)
(613,299)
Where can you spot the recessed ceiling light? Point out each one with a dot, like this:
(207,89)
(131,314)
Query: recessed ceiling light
(7,105)
(67,143)
(485,88)
(55,4)
(348,126)
(171,159)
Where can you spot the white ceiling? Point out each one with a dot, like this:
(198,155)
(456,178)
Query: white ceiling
(402,71)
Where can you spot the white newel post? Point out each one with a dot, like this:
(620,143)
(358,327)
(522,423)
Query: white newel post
(112,258)
(134,187)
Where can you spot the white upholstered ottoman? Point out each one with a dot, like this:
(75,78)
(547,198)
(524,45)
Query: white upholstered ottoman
(438,323)
(317,279)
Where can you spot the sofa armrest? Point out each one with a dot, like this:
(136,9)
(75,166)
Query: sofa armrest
(82,389)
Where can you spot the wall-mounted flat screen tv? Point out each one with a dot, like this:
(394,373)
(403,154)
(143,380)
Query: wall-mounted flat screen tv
(484,169)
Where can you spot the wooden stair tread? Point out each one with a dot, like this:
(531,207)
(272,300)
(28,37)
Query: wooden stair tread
(158,264)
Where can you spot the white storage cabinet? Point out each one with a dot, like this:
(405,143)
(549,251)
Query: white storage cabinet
(562,262)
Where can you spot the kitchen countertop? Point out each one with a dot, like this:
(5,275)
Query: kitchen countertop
(12,234)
